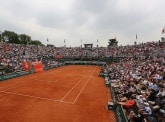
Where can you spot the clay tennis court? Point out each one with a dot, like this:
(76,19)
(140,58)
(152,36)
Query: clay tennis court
(72,93)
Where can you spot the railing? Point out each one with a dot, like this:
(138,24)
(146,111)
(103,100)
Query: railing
(12,75)
(120,115)
(100,63)
(104,59)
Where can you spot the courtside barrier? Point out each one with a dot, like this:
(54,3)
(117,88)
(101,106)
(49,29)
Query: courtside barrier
(12,75)
(120,115)
(100,63)
(37,66)
(51,67)
(26,65)
(29,69)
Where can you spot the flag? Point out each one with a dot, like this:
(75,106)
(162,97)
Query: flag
(47,40)
(136,36)
(163,31)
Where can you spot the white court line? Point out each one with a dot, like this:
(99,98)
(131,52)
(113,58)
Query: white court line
(48,99)
(15,84)
(23,82)
(25,95)
(83,87)
(66,102)
(73,87)
(70,73)
(52,72)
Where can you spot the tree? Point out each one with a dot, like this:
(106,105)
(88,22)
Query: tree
(1,36)
(10,37)
(112,42)
(35,42)
(24,39)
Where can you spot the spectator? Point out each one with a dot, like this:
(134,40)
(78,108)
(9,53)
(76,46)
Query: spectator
(128,103)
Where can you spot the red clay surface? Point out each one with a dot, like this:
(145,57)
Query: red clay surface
(73,93)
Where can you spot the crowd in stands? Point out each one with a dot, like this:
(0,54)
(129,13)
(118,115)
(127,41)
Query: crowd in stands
(12,55)
(140,73)
(139,81)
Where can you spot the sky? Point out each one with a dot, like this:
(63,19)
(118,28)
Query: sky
(77,22)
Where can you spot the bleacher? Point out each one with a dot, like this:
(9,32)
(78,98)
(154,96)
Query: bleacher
(115,86)
(141,57)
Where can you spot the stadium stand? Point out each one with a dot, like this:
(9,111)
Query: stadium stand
(133,70)
(142,78)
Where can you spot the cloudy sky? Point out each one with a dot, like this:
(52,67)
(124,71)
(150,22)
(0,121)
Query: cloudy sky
(84,21)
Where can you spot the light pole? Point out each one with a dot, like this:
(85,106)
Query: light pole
(81,43)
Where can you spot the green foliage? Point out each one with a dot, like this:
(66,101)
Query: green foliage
(112,42)
(35,42)
(24,39)
(12,37)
